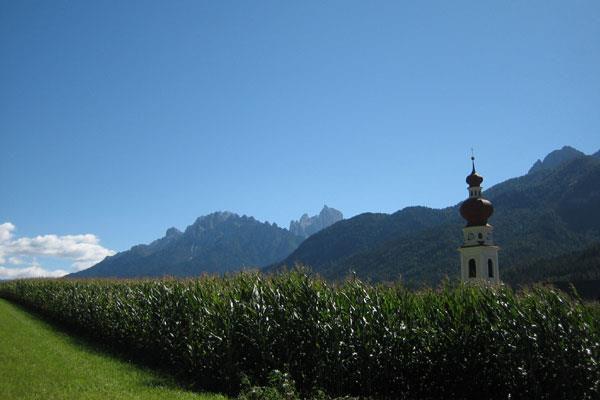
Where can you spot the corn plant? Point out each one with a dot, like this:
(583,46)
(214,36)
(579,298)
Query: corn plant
(459,341)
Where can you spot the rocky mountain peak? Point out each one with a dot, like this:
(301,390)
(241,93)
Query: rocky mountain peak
(212,219)
(173,232)
(556,158)
(215,243)
(307,225)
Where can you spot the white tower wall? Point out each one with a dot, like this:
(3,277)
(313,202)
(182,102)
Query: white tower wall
(482,255)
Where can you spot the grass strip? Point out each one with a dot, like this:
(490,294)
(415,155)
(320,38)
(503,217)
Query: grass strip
(39,362)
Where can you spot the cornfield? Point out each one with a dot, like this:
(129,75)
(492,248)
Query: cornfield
(458,341)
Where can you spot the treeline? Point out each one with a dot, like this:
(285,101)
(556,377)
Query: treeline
(571,267)
(351,339)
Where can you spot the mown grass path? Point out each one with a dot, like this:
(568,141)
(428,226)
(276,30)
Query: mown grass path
(39,362)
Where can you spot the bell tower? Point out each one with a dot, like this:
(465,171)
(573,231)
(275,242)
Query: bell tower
(478,254)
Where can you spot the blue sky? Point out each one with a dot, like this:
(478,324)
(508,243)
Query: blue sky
(121,119)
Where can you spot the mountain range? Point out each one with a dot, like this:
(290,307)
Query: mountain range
(216,243)
(548,216)
(548,212)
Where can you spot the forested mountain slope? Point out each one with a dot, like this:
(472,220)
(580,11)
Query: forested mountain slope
(574,266)
(538,215)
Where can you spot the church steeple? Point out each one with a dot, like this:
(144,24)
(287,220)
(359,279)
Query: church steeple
(476,210)
(479,255)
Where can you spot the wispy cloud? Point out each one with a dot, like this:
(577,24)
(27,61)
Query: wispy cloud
(33,271)
(80,251)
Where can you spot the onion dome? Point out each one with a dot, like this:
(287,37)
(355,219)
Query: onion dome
(476,211)
(474,179)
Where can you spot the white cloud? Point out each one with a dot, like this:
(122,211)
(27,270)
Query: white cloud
(84,250)
(34,271)
(6,231)
(81,251)
(5,235)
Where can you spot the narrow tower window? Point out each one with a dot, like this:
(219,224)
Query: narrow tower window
(472,268)
(490,268)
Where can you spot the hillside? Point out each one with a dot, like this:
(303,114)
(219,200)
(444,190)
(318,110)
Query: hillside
(360,234)
(580,268)
(542,214)
(216,243)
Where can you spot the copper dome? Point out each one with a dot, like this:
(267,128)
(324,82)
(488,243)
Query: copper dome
(476,211)
(474,179)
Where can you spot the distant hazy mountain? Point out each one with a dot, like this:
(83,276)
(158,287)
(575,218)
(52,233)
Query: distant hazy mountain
(543,214)
(215,243)
(556,158)
(307,226)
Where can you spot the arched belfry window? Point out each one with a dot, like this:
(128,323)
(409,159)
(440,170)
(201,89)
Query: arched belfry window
(472,268)
(490,268)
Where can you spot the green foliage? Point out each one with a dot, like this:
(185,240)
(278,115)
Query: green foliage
(352,339)
(280,387)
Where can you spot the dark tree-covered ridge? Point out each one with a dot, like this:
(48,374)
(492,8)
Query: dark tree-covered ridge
(542,214)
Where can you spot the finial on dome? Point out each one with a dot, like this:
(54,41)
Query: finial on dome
(474,179)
